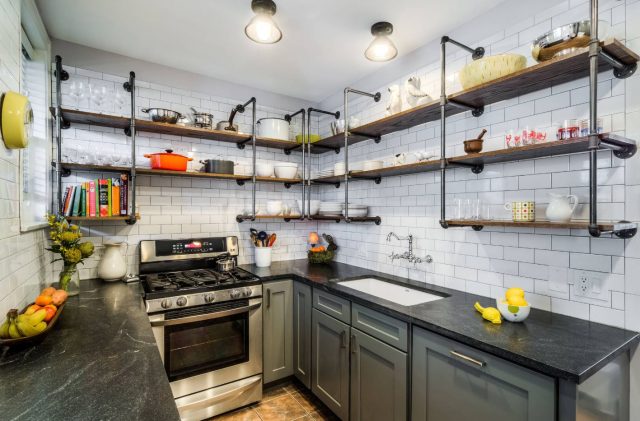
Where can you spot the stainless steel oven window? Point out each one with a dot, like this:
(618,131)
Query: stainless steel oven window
(211,344)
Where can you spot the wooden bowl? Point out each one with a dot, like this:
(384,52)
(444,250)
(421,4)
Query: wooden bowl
(32,340)
(473,145)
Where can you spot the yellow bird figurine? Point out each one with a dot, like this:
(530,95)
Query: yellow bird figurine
(489,313)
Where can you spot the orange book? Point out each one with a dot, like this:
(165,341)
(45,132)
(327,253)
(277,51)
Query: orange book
(115,196)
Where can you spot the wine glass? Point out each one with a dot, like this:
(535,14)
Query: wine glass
(78,90)
(98,94)
(119,100)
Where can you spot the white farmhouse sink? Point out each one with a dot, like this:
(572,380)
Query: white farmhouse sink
(391,292)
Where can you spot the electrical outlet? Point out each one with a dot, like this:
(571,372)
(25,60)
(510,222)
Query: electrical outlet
(587,284)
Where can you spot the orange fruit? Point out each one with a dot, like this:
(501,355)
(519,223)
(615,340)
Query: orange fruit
(44,300)
(48,291)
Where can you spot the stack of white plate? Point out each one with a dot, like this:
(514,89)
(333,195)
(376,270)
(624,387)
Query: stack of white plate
(338,168)
(331,208)
(357,211)
(328,172)
(372,165)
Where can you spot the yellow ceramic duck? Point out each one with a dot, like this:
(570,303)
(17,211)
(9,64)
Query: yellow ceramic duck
(489,313)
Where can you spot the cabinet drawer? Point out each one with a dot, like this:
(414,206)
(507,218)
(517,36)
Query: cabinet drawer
(380,326)
(333,306)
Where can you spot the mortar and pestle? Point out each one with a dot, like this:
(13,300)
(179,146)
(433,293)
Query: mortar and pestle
(474,145)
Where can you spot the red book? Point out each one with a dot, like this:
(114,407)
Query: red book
(103,192)
(66,199)
(92,198)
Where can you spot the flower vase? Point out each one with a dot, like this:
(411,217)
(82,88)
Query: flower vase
(70,279)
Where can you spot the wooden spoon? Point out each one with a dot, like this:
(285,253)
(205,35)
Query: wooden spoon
(271,240)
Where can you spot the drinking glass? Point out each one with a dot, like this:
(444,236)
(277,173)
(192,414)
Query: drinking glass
(119,100)
(78,90)
(98,94)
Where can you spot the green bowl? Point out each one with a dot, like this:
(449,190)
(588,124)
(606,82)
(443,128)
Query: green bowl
(320,256)
(313,138)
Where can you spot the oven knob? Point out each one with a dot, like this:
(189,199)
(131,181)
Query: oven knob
(209,298)
(166,303)
(181,301)
(235,293)
(247,292)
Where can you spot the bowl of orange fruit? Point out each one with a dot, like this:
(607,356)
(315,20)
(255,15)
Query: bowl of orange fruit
(514,307)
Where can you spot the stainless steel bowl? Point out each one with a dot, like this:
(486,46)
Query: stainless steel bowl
(162,115)
(225,265)
(571,36)
(202,120)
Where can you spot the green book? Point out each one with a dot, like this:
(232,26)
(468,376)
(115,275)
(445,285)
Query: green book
(76,202)
(98,197)
(109,184)
(83,201)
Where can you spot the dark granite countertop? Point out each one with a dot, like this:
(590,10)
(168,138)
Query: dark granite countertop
(553,344)
(100,361)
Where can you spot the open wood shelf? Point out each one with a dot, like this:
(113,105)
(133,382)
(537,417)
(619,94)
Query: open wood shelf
(197,174)
(118,122)
(337,218)
(539,150)
(542,75)
(97,218)
(576,224)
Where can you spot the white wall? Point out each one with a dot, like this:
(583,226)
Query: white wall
(494,259)
(23,261)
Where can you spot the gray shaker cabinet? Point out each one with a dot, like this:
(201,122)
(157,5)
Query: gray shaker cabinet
(302,307)
(330,368)
(451,381)
(277,322)
(378,380)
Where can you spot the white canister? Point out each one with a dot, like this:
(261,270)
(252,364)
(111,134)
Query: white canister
(274,128)
(113,266)
(263,257)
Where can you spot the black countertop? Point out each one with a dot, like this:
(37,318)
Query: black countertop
(100,361)
(553,344)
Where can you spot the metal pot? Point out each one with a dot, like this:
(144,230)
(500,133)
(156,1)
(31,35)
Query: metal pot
(565,38)
(225,265)
(217,166)
(162,115)
(224,126)
(202,120)
(274,128)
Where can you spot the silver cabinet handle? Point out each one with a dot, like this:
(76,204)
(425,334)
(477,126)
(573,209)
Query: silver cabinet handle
(225,396)
(201,317)
(468,359)
(354,345)
(343,339)
(268,297)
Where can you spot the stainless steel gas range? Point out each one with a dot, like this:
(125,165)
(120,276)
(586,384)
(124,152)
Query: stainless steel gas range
(206,317)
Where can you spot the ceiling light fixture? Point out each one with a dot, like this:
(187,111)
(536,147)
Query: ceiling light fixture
(381,48)
(262,28)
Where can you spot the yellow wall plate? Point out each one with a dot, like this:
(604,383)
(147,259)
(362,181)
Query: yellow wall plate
(17,120)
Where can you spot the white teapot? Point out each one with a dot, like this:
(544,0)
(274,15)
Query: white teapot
(560,207)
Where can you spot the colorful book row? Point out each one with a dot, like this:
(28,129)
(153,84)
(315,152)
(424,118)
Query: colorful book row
(98,198)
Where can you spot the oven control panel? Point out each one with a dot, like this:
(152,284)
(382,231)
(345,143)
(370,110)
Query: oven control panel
(198,299)
(165,250)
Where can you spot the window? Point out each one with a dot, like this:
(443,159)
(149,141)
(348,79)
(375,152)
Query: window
(35,169)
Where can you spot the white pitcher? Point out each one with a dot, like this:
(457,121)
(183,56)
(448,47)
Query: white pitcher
(560,207)
(113,266)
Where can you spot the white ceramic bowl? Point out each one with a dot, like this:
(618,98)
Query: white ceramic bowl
(512,313)
(264,169)
(286,172)
(372,165)
(273,128)
(274,207)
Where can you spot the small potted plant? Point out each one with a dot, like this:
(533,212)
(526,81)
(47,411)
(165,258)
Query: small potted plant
(65,241)
(319,253)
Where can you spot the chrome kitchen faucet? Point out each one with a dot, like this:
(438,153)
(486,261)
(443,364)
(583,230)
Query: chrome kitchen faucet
(407,254)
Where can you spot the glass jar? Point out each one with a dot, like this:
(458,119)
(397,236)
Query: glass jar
(69,279)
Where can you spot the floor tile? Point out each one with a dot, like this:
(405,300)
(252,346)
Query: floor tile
(280,408)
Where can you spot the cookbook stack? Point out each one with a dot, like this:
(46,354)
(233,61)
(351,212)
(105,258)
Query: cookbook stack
(101,198)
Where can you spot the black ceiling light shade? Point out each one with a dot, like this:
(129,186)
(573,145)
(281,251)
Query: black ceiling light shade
(381,48)
(262,28)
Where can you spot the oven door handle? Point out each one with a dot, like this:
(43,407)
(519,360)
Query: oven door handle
(208,316)
(231,394)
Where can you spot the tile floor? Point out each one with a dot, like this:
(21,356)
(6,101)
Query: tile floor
(287,401)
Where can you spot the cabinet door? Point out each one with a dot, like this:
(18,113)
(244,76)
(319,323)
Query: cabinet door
(330,369)
(277,330)
(302,303)
(451,381)
(378,380)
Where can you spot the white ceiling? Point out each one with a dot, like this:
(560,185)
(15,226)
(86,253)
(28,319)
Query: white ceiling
(321,51)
